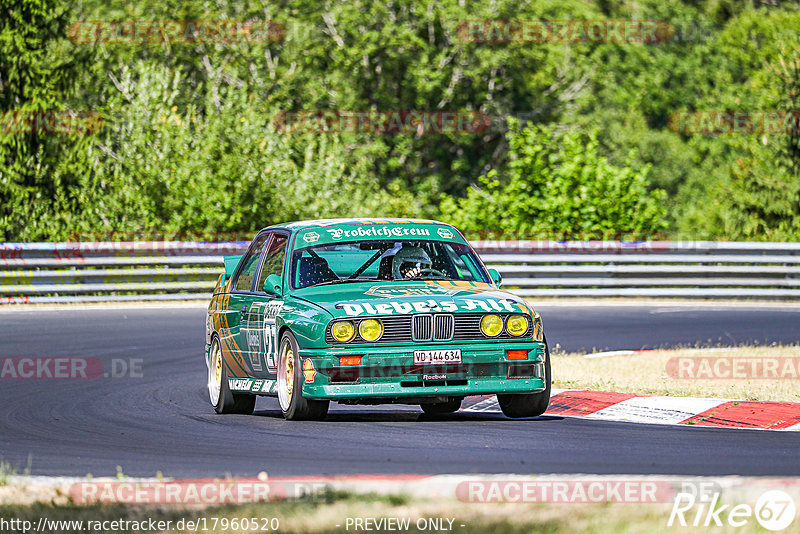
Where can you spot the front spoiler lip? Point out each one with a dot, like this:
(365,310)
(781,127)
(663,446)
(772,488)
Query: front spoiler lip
(475,386)
(406,349)
(401,355)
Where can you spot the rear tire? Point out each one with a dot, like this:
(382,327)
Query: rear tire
(220,395)
(528,404)
(452,405)
(294,406)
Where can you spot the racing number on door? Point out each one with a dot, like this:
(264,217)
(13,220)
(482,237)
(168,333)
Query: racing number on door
(270,334)
(271,345)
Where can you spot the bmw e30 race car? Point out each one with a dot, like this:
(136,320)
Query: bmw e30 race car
(370,311)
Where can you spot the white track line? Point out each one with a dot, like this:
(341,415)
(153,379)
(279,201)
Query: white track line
(610,353)
(656,410)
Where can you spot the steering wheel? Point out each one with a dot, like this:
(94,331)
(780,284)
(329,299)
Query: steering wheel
(426,270)
(432,271)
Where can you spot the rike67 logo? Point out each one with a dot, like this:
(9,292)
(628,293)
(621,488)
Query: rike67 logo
(774,510)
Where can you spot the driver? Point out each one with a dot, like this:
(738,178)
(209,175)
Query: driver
(410,262)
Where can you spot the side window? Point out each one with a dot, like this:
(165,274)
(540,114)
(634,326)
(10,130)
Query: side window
(245,279)
(464,265)
(273,261)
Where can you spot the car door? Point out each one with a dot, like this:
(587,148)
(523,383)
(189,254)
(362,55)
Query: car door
(241,297)
(259,332)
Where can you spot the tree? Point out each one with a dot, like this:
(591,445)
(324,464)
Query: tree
(746,185)
(37,69)
(765,192)
(557,184)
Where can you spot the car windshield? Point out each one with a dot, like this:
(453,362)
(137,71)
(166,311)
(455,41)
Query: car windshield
(385,260)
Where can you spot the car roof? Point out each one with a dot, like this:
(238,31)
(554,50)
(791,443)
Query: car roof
(322,223)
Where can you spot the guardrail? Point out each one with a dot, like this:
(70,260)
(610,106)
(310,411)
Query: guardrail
(688,269)
(112,271)
(181,270)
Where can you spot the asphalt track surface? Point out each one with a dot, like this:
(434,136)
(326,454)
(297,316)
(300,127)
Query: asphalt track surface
(162,421)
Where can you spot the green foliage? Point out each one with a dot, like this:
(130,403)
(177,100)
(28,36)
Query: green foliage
(557,184)
(765,195)
(747,186)
(161,167)
(36,66)
(6,472)
(190,144)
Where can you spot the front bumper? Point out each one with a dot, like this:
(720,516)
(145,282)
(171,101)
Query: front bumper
(388,372)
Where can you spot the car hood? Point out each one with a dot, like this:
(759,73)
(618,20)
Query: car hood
(363,299)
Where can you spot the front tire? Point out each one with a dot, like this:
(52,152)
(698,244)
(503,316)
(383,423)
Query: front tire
(220,395)
(528,404)
(294,406)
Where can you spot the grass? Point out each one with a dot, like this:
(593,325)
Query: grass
(6,470)
(646,373)
(330,514)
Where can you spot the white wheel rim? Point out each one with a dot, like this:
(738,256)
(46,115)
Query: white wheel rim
(286,377)
(215,374)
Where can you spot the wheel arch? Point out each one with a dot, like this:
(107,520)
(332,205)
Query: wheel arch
(283,329)
(211,339)
(222,352)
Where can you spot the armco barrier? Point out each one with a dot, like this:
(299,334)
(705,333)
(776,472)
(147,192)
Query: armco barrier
(180,270)
(688,269)
(111,271)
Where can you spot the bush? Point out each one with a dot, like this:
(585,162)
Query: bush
(557,185)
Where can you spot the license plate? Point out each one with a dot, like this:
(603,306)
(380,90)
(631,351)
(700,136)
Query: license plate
(437,356)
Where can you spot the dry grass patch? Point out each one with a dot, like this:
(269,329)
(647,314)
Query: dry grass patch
(331,516)
(658,372)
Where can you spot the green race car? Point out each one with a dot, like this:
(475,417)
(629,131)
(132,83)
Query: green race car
(370,311)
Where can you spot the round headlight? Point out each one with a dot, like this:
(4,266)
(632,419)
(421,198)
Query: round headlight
(343,331)
(491,325)
(370,329)
(517,325)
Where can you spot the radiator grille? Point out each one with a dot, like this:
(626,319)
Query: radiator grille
(443,326)
(422,327)
(432,327)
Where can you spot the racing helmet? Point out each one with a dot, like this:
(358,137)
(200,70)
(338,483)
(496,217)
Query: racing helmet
(407,258)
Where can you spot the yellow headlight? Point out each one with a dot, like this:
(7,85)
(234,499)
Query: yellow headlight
(343,331)
(517,325)
(370,329)
(491,325)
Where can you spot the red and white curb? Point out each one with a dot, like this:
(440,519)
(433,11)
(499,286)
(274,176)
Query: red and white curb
(610,406)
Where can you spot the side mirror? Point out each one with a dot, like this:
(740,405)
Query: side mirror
(231,262)
(273,285)
(496,278)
